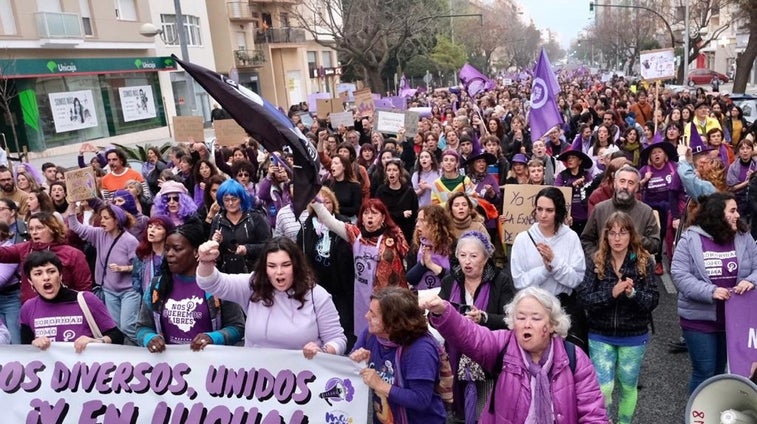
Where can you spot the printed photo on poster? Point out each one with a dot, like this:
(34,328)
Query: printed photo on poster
(658,64)
(137,102)
(73,110)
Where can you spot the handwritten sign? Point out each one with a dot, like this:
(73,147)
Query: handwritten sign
(364,102)
(411,123)
(228,132)
(518,207)
(188,128)
(81,184)
(388,122)
(342,118)
(221,384)
(657,64)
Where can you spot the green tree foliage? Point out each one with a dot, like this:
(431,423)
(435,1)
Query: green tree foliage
(447,55)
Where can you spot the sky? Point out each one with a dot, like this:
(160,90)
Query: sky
(565,17)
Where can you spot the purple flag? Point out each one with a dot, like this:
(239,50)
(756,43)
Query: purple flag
(544,113)
(741,333)
(263,121)
(474,81)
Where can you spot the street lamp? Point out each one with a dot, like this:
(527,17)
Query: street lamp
(150,30)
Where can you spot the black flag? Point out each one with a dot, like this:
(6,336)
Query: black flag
(267,124)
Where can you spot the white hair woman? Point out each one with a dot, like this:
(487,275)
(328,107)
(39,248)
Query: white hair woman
(533,354)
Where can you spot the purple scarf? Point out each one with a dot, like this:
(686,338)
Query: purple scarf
(541,393)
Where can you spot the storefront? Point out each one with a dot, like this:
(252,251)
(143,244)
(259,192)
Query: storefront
(56,102)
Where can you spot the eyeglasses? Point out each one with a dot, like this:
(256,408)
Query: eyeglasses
(613,234)
(243,174)
(174,198)
(230,199)
(3,208)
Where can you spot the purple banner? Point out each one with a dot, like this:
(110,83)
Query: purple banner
(544,112)
(741,333)
(474,81)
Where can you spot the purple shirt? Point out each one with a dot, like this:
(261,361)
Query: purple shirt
(659,185)
(429,280)
(579,209)
(722,267)
(64,321)
(419,364)
(186,312)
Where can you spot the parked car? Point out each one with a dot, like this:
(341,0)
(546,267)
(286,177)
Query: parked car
(748,104)
(704,76)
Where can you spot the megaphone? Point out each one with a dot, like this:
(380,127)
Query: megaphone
(724,399)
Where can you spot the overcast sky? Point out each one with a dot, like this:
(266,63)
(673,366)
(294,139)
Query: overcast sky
(565,17)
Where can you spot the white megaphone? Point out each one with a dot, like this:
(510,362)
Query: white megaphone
(723,399)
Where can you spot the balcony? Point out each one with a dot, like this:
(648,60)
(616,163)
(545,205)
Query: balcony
(239,11)
(249,58)
(280,35)
(59,29)
(277,1)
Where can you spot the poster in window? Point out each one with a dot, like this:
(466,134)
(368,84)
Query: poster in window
(73,110)
(137,102)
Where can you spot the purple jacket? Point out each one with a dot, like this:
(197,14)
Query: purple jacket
(576,396)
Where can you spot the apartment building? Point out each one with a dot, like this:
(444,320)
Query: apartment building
(81,71)
(259,44)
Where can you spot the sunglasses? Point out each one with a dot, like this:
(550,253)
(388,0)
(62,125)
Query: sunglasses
(173,197)
(243,174)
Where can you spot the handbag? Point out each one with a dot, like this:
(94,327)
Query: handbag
(88,316)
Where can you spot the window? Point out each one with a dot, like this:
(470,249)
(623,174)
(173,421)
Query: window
(86,17)
(126,10)
(284,17)
(7,18)
(326,59)
(191,29)
(256,20)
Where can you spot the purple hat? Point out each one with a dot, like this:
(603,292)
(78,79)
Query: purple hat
(129,204)
(451,152)
(695,141)
(519,158)
(172,187)
(120,215)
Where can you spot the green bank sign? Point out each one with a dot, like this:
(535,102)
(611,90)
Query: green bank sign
(20,68)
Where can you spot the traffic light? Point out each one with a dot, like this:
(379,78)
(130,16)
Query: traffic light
(591,6)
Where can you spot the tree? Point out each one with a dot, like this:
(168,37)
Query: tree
(482,41)
(367,34)
(8,92)
(745,61)
(522,43)
(448,55)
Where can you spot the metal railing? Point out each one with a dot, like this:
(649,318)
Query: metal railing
(249,58)
(280,35)
(58,25)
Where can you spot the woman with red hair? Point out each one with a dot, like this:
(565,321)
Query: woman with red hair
(378,247)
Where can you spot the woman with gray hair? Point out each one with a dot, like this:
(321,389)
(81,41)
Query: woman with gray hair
(562,381)
(479,291)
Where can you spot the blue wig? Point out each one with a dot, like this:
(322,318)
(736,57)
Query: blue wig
(232,187)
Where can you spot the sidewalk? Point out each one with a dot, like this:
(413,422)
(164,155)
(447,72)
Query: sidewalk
(66,156)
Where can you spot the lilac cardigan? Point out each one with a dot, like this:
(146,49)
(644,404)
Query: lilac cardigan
(284,325)
(576,396)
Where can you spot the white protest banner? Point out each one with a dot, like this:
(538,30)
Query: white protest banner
(137,103)
(73,110)
(221,384)
(342,118)
(389,122)
(518,205)
(657,64)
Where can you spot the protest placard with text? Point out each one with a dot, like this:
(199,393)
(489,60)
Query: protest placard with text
(81,184)
(518,207)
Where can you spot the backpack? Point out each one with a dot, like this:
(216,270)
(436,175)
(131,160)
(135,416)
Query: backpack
(445,378)
(570,350)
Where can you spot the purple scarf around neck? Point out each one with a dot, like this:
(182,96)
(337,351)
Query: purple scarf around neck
(480,300)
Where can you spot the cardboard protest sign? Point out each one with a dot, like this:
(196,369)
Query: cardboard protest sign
(188,128)
(81,184)
(364,102)
(342,118)
(223,384)
(228,132)
(411,123)
(518,205)
(328,106)
(388,122)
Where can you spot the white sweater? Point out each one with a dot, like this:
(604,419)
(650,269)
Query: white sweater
(568,264)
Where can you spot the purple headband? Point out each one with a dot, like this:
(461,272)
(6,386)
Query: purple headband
(484,239)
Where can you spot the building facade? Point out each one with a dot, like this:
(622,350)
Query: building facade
(78,70)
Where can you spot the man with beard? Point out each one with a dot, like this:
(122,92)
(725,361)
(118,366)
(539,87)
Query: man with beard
(626,184)
(10,191)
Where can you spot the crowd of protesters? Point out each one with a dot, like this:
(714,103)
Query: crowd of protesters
(214,227)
